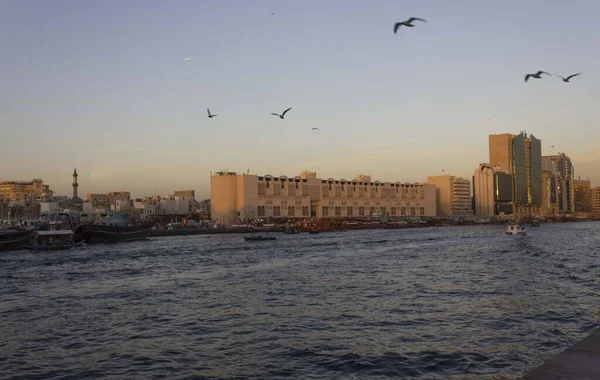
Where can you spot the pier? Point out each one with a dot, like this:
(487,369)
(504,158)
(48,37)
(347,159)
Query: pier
(581,361)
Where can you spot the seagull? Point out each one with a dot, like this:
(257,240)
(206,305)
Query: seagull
(552,147)
(443,170)
(283,114)
(569,77)
(537,75)
(314,129)
(407,23)
(186,58)
(209,115)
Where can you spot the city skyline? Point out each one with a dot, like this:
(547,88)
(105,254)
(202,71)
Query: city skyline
(107,88)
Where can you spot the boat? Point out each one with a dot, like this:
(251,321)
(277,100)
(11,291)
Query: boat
(290,231)
(259,238)
(535,223)
(113,228)
(515,229)
(54,240)
(14,240)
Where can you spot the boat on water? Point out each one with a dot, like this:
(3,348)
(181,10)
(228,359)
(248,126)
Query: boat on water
(14,240)
(113,227)
(535,223)
(515,229)
(291,231)
(54,240)
(259,238)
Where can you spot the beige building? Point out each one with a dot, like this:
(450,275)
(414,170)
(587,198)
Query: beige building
(109,199)
(236,197)
(185,194)
(595,199)
(453,195)
(483,181)
(22,191)
(550,191)
(583,195)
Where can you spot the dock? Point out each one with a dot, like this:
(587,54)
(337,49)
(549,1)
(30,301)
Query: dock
(581,361)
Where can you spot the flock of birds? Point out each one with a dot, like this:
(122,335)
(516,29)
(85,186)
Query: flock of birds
(409,24)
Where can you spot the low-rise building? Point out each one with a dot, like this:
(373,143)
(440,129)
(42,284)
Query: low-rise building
(595,199)
(453,195)
(236,197)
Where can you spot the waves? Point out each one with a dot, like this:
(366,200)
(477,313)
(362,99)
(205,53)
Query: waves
(461,302)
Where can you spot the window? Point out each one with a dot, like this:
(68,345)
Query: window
(361,211)
(422,211)
(393,211)
(276,211)
(402,211)
(324,211)
(338,211)
(261,211)
(291,211)
(413,211)
(268,184)
(304,210)
(283,184)
(372,211)
(349,211)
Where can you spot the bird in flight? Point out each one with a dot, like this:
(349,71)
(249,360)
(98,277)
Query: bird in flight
(537,75)
(407,23)
(569,77)
(552,146)
(443,170)
(209,114)
(283,114)
(314,129)
(186,58)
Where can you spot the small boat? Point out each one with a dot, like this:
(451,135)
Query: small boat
(290,231)
(259,238)
(54,240)
(515,229)
(14,240)
(535,223)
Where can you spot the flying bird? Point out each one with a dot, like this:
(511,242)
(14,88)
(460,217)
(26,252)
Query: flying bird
(209,115)
(569,77)
(283,114)
(186,58)
(537,75)
(407,23)
(552,146)
(314,129)
(443,170)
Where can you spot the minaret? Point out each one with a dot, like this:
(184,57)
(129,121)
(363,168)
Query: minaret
(75,184)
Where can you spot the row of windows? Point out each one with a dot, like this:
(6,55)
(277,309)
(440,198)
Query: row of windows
(291,211)
(337,211)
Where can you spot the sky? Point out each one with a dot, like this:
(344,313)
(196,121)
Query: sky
(105,86)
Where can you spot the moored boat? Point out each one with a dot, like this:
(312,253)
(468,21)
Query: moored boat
(259,238)
(14,240)
(113,228)
(54,240)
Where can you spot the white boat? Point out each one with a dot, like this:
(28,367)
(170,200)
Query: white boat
(515,229)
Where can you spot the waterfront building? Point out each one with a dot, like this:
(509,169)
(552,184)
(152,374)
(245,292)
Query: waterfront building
(550,190)
(236,197)
(21,192)
(595,199)
(582,195)
(109,199)
(520,156)
(492,191)
(561,166)
(453,195)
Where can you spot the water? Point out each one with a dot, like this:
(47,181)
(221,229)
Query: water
(459,302)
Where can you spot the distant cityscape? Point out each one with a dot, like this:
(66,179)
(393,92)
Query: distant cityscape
(515,181)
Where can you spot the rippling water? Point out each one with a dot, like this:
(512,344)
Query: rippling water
(459,302)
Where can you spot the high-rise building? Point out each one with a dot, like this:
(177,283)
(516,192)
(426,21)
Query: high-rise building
(583,195)
(561,166)
(185,194)
(550,185)
(453,195)
(236,197)
(520,156)
(493,191)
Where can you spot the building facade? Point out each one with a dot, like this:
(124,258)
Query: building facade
(492,191)
(520,156)
(21,192)
(595,199)
(453,195)
(236,197)
(185,194)
(550,190)
(582,190)
(561,166)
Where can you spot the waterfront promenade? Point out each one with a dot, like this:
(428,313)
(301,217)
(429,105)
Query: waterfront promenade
(581,361)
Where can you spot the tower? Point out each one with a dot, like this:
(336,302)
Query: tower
(75,184)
